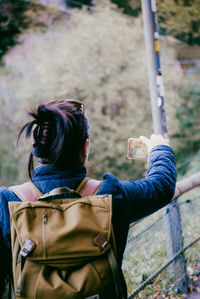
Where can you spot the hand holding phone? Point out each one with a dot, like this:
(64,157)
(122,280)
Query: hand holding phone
(139,148)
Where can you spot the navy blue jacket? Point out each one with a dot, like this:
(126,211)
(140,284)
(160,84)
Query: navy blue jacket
(132,200)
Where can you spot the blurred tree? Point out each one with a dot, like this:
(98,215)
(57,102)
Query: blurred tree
(179,18)
(129,7)
(188,133)
(78,3)
(12,20)
(104,66)
(9,157)
(188,115)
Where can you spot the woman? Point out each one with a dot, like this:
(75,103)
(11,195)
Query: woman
(60,133)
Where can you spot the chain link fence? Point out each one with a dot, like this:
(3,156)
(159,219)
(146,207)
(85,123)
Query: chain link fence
(146,265)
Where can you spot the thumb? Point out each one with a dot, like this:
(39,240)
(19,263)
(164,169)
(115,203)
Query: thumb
(145,140)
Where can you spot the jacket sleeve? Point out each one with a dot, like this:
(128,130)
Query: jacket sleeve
(4,251)
(156,190)
(5,242)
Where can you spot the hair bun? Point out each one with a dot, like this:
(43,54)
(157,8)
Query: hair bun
(59,132)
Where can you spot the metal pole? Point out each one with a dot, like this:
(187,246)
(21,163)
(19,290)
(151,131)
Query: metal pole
(154,67)
(174,241)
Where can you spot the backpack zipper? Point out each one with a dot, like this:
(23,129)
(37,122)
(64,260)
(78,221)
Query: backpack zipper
(44,233)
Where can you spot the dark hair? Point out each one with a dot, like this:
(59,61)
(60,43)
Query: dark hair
(59,133)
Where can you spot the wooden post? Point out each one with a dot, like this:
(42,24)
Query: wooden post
(173,229)
(187,184)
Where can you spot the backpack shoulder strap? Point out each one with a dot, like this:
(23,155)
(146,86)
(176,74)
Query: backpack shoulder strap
(88,187)
(26,192)
(82,184)
(30,193)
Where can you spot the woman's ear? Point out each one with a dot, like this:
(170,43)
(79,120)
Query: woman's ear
(86,149)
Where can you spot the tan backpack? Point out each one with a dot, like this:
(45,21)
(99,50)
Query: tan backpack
(63,247)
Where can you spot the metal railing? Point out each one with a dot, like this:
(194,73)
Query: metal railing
(182,187)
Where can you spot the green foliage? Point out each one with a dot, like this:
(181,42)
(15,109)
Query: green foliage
(40,17)
(16,16)
(12,19)
(129,7)
(188,113)
(78,3)
(96,65)
(188,134)
(10,162)
(180,19)
(99,59)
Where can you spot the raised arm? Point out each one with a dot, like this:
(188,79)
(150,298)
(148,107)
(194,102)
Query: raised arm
(157,188)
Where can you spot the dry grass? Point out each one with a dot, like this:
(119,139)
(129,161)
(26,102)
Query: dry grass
(148,253)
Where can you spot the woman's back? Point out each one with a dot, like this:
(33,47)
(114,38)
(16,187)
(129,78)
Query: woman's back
(131,200)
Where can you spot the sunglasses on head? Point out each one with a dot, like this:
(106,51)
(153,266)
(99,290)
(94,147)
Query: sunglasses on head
(80,106)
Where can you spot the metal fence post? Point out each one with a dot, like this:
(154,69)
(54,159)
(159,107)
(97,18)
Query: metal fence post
(174,242)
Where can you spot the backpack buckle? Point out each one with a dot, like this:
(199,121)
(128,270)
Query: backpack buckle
(28,247)
(101,242)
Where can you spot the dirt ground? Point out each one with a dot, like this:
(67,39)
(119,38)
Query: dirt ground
(196,291)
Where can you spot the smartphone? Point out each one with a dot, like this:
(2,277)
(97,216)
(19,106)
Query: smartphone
(137,149)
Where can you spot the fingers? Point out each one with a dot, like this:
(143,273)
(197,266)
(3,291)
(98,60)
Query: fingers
(159,139)
(147,142)
(144,139)
(153,141)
